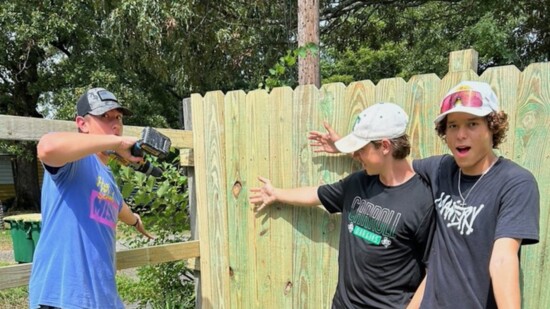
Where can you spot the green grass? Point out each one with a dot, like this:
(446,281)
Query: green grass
(14,298)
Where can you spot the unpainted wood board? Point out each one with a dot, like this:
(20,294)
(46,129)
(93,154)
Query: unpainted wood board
(19,275)
(505,80)
(304,97)
(391,90)
(15,275)
(239,226)
(199,148)
(532,151)
(157,254)
(281,173)
(422,107)
(259,115)
(32,129)
(329,169)
(463,60)
(216,197)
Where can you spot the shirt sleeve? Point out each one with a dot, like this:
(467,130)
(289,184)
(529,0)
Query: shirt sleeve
(332,196)
(424,235)
(519,211)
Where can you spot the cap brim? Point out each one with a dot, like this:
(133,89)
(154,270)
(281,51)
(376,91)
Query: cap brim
(110,106)
(350,143)
(476,111)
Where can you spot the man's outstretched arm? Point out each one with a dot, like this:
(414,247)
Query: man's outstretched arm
(267,195)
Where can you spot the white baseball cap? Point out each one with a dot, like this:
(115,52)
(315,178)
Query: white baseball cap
(379,121)
(476,98)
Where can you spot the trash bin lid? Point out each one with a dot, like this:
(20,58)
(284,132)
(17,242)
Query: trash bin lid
(24,218)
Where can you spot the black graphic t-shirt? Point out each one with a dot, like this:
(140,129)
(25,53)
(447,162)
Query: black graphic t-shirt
(504,203)
(385,239)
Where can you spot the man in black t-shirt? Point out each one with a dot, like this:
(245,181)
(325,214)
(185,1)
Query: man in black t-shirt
(387,213)
(487,206)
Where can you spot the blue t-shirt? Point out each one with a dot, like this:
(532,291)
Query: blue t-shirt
(74,261)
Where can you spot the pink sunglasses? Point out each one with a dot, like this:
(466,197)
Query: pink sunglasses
(467,98)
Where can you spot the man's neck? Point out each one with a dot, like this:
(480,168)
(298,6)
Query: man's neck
(396,173)
(103,158)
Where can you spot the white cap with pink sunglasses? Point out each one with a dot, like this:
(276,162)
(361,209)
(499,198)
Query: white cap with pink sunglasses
(476,98)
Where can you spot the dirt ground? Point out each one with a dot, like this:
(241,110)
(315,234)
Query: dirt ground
(6,251)
(6,256)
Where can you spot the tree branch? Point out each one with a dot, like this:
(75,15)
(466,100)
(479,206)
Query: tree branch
(350,6)
(59,45)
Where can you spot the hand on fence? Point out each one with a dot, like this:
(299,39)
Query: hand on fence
(324,142)
(263,196)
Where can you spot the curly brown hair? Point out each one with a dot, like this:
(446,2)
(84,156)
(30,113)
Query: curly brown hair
(400,145)
(496,121)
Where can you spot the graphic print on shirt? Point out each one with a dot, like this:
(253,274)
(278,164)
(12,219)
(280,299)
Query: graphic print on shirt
(373,223)
(457,214)
(103,207)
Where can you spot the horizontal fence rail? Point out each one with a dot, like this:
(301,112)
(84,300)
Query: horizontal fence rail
(31,129)
(18,275)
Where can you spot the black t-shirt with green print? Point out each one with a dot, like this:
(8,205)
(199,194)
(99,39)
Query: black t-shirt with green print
(385,239)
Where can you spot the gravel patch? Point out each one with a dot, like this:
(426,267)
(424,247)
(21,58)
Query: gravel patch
(6,256)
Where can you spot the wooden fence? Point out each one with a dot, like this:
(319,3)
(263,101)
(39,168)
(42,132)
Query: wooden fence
(286,257)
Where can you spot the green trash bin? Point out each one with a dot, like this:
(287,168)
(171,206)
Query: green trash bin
(25,232)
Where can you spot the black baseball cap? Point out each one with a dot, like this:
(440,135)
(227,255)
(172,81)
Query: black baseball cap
(98,101)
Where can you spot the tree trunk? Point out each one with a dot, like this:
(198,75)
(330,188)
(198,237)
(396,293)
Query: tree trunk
(308,32)
(27,192)
(25,99)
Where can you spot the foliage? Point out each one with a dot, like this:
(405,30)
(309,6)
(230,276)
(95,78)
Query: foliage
(364,63)
(536,29)
(414,37)
(283,73)
(162,204)
(18,148)
(150,292)
(161,201)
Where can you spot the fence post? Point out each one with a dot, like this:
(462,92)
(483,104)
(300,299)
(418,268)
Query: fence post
(190,171)
(463,60)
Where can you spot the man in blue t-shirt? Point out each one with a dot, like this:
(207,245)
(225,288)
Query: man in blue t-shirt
(387,213)
(487,206)
(74,261)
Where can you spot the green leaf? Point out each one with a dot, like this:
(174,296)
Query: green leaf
(163,189)
(127,189)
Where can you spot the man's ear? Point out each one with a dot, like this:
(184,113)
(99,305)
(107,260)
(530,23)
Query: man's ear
(81,124)
(386,146)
